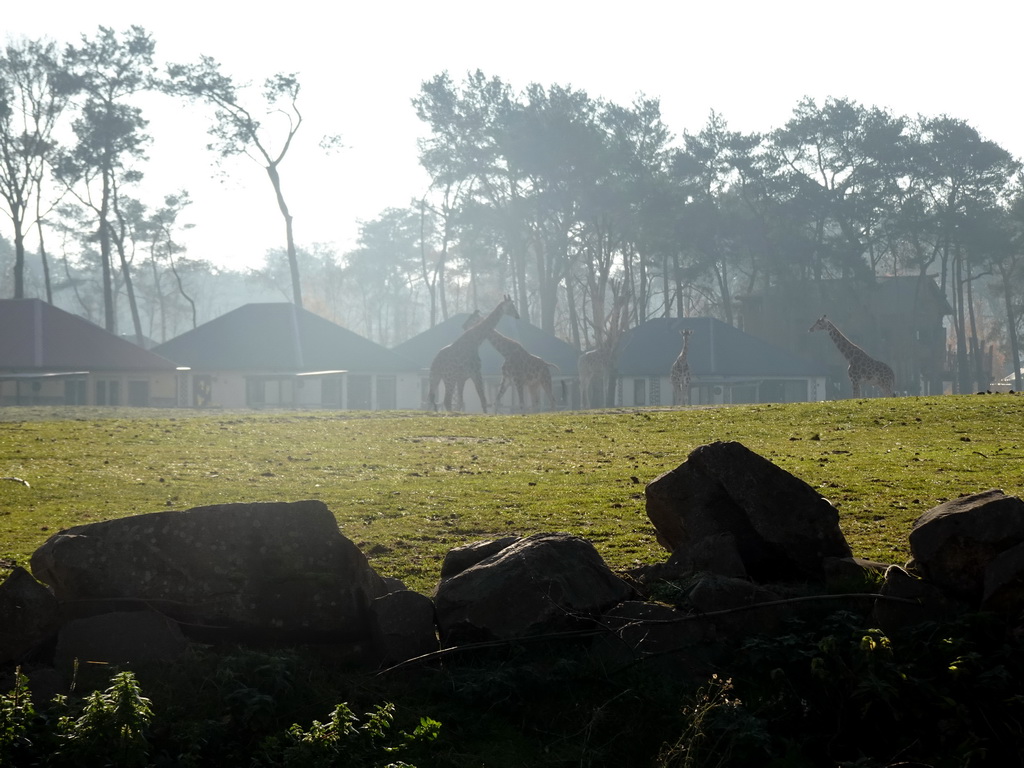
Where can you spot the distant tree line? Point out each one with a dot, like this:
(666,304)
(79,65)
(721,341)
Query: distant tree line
(588,212)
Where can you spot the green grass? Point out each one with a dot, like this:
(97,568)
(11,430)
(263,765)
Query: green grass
(408,487)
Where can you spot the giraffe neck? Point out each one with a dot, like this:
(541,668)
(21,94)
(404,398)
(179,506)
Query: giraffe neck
(504,344)
(848,349)
(475,336)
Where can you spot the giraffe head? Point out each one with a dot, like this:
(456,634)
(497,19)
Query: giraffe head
(822,324)
(686,332)
(509,307)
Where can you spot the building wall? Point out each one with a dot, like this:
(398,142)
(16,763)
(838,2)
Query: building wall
(113,388)
(637,391)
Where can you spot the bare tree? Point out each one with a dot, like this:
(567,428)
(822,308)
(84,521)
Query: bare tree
(237,131)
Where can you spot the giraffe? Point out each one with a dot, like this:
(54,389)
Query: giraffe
(598,364)
(863,369)
(524,370)
(460,360)
(521,368)
(681,373)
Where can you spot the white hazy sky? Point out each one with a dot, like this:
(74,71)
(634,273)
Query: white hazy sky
(361,63)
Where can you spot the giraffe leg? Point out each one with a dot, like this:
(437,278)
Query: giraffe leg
(435,381)
(501,391)
(478,382)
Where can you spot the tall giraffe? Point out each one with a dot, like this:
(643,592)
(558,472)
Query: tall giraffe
(863,369)
(680,374)
(460,360)
(598,364)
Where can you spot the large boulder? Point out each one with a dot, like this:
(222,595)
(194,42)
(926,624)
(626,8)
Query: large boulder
(728,510)
(405,626)
(29,615)
(543,583)
(954,545)
(121,637)
(272,570)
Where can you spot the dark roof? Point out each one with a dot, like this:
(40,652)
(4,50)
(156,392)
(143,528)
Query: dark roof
(41,337)
(715,349)
(423,347)
(278,337)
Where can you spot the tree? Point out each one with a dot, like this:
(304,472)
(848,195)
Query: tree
(964,178)
(105,73)
(237,131)
(30,105)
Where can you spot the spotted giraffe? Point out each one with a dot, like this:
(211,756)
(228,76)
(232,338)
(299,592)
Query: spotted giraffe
(460,360)
(863,369)
(680,374)
(524,370)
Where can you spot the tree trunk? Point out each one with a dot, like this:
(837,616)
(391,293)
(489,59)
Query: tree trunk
(293,258)
(109,315)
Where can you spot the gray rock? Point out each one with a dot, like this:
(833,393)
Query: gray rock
(132,637)
(461,558)
(29,615)
(914,601)
(543,583)
(775,525)
(406,627)
(953,544)
(663,639)
(283,570)
(1004,582)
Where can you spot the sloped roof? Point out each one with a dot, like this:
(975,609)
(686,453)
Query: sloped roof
(424,346)
(715,349)
(278,337)
(39,337)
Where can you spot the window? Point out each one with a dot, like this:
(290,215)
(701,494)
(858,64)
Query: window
(75,392)
(138,393)
(330,391)
(639,391)
(359,393)
(108,392)
(387,393)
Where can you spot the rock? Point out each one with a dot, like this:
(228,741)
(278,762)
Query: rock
(406,626)
(953,544)
(461,558)
(726,499)
(1003,586)
(275,571)
(853,574)
(914,601)
(667,641)
(123,637)
(543,583)
(29,615)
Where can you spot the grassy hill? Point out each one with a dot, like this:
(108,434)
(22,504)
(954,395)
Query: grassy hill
(407,487)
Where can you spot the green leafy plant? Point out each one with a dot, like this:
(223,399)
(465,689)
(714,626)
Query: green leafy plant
(110,729)
(22,729)
(344,738)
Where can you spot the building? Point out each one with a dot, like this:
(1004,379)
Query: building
(726,366)
(278,355)
(898,320)
(51,357)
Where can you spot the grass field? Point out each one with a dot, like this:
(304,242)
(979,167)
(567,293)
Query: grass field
(407,487)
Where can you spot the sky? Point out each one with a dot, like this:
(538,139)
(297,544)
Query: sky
(361,64)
